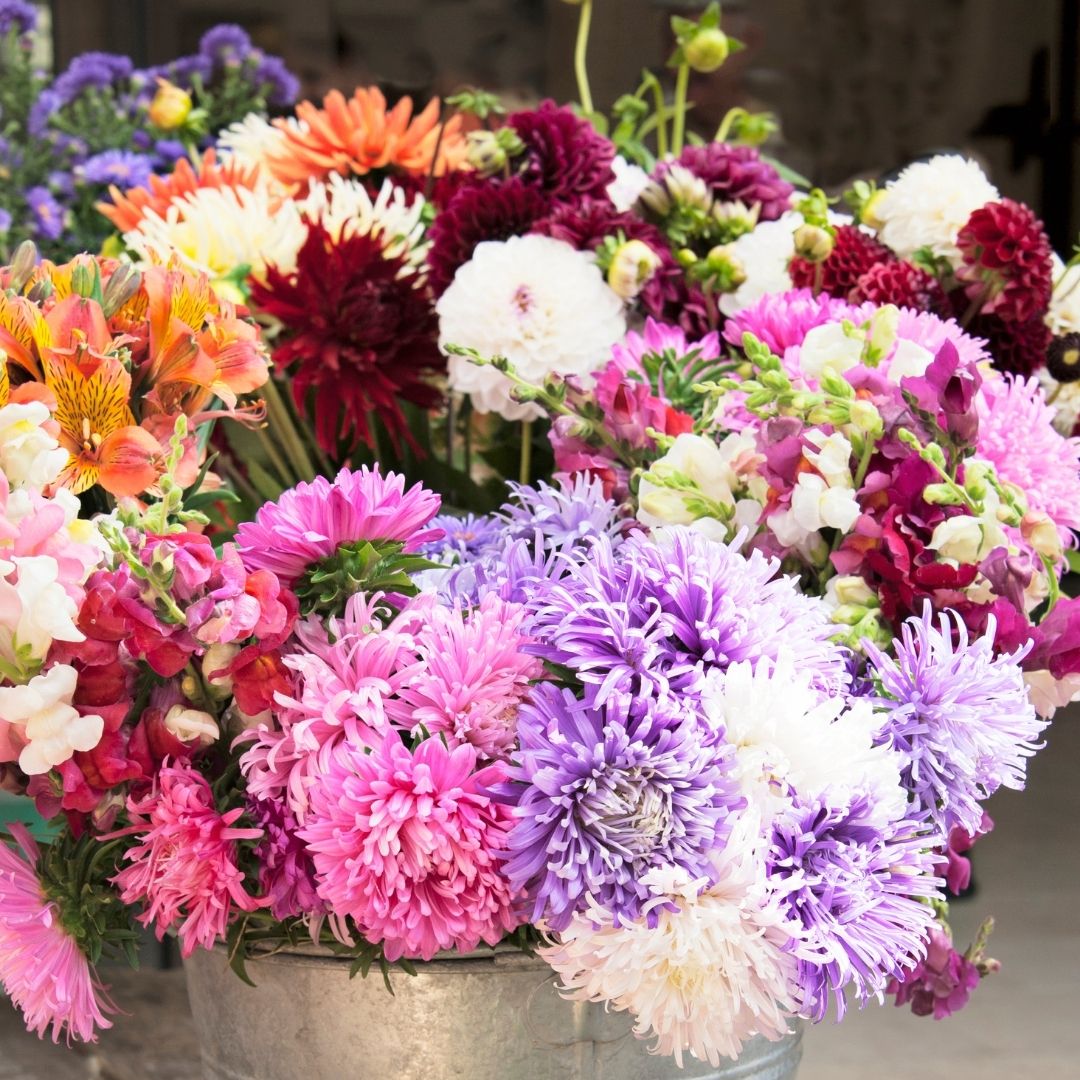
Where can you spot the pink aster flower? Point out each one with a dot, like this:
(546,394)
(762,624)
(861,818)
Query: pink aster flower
(469,677)
(930,332)
(311,521)
(184,866)
(782,320)
(1017,436)
(659,338)
(406,843)
(42,968)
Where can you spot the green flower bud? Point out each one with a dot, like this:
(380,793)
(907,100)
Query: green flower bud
(707,50)
(726,267)
(813,243)
(484,153)
(865,417)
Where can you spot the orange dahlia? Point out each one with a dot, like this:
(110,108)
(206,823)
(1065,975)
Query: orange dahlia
(128,208)
(361,134)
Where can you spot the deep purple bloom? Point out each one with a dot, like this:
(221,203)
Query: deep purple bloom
(942,982)
(48,213)
(169,151)
(17,15)
(120,167)
(947,391)
(37,120)
(856,889)
(226,41)
(604,793)
(958,713)
(286,872)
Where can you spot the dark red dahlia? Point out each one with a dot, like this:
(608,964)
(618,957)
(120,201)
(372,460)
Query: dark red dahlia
(901,283)
(479,211)
(565,156)
(854,253)
(1007,261)
(1018,347)
(736,174)
(358,331)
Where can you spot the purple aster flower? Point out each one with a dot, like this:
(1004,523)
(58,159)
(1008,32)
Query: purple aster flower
(47,212)
(604,793)
(465,538)
(169,151)
(61,182)
(286,872)
(227,41)
(573,513)
(856,890)
(5,221)
(958,713)
(185,70)
(90,71)
(18,16)
(37,120)
(120,167)
(283,85)
(657,614)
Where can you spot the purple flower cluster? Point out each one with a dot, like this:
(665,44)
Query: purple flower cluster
(17,15)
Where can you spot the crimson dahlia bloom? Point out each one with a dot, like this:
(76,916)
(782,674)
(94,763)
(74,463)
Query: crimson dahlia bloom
(358,334)
(854,253)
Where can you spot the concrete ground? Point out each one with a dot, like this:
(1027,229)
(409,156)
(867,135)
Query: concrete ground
(1022,1024)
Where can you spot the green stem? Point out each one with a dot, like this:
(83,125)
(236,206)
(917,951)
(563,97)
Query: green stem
(1052,579)
(653,83)
(580,48)
(682,86)
(281,422)
(526,451)
(284,474)
(728,123)
(864,461)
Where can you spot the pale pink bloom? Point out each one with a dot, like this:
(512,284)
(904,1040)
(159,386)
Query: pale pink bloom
(406,843)
(42,968)
(469,677)
(183,869)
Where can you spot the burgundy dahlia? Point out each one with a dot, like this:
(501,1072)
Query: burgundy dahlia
(565,157)
(479,211)
(1007,261)
(854,253)
(736,174)
(1017,347)
(358,332)
(901,283)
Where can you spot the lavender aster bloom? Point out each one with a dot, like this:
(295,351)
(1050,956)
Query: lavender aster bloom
(37,120)
(657,614)
(91,70)
(464,538)
(5,221)
(18,15)
(572,513)
(960,715)
(855,891)
(48,213)
(284,86)
(120,167)
(603,794)
(226,41)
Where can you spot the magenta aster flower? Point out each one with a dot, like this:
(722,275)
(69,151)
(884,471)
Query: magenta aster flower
(183,869)
(657,339)
(406,843)
(286,872)
(312,520)
(782,320)
(42,969)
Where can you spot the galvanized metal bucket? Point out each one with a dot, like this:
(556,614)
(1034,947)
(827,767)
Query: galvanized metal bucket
(480,1017)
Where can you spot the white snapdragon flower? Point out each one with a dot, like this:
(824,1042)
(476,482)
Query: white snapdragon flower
(630,181)
(30,457)
(831,346)
(187,725)
(35,610)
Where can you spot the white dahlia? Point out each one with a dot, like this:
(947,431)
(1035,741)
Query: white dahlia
(537,302)
(630,181)
(764,253)
(930,202)
(713,972)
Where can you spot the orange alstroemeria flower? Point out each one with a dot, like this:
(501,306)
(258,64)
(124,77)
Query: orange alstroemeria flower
(128,208)
(361,134)
(23,333)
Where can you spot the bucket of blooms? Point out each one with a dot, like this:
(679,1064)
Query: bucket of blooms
(628,767)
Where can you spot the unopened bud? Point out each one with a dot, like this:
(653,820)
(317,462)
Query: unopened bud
(484,152)
(864,417)
(632,266)
(23,264)
(170,107)
(707,50)
(190,725)
(1039,530)
(215,668)
(121,287)
(726,267)
(869,213)
(686,258)
(942,495)
(813,243)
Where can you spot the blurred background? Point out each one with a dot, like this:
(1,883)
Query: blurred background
(858,84)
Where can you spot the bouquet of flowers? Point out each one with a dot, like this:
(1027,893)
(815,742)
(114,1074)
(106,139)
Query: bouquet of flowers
(704,713)
(65,140)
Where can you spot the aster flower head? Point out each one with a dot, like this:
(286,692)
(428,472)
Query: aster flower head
(17,14)
(537,302)
(358,334)
(42,969)
(960,715)
(286,872)
(311,521)
(463,538)
(121,167)
(568,514)
(406,843)
(226,41)
(782,320)
(604,793)
(183,867)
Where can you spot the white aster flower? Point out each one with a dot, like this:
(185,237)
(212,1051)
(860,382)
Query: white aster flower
(51,728)
(930,202)
(791,739)
(29,456)
(536,301)
(35,609)
(630,181)
(710,975)
(216,230)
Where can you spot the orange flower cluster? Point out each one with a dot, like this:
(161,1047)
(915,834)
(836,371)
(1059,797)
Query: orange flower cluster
(359,135)
(118,356)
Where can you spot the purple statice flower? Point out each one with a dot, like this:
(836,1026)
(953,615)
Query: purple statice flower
(604,793)
(225,42)
(5,221)
(283,87)
(854,889)
(941,983)
(121,167)
(658,613)
(574,512)
(959,714)
(48,214)
(17,15)
(91,71)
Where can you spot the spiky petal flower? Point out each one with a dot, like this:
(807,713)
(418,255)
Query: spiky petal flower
(406,842)
(714,969)
(311,521)
(605,793)
(571,513)
(183,868)
(42,969)
(358,331)
(958,713)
